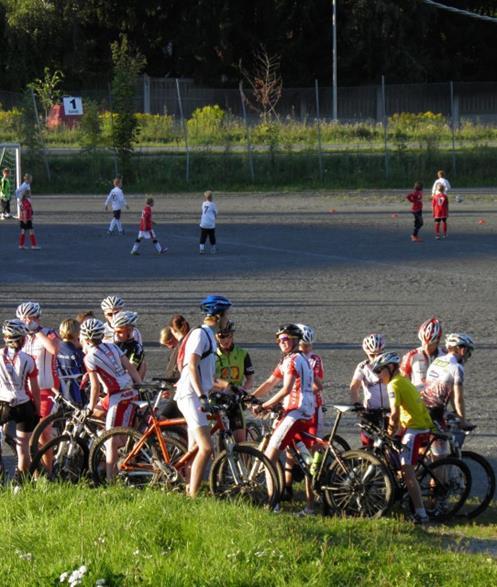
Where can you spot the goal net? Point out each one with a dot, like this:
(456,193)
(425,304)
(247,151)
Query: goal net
(10,156)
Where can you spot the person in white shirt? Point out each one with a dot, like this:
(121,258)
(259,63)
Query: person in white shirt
(441,179)
(117,202)
(208,223)
(24,188)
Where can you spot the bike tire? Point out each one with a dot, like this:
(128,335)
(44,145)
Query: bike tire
(57,420)
(358,484)
(482,485)
(278,467)
(254,468)
(69,461)
(443,497)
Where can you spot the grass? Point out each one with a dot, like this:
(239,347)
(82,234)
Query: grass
(150,538)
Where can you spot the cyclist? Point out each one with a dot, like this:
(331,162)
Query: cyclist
(112,305)
(415,363)
(70,361)
(234,366)
(123,324)
(409,419)
(445,379)
(197,364)
(19,391)
(295,373)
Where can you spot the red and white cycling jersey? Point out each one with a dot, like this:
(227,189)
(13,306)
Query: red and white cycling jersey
(443,374)
(415,365)
(374,392)
(15,368)
(316,364)
(301,397)
(105,361)
(46,363)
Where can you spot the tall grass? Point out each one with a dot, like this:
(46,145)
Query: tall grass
(131,537)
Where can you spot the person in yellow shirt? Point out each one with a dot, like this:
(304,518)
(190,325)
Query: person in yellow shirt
(409,419)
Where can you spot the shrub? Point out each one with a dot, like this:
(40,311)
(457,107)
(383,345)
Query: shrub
(206,125)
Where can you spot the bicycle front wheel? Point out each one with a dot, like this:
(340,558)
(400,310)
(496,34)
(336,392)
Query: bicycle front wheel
(57,421)
(482,485)
(246,474)
(445,485)
(64,458)
(358,484)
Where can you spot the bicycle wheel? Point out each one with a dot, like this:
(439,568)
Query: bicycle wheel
(339,443)
(445,485)
(56,420)
(358,484)
(247,474)
(278,467)
(253,431)
(482,485)
(69,459)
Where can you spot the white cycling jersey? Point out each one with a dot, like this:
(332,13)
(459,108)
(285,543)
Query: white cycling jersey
(442,375)
(415,364)
(374,392)
(15,368)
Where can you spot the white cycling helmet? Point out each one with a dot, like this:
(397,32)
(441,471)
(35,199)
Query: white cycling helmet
(112,303)
(92,329)
(13,330)
(430,331)
(373,344)
(384,360)
(459,339)
(124,318)
(28,310)
(308,335)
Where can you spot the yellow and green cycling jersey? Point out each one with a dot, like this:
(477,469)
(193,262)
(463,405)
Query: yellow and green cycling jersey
(234,365)
(413,412)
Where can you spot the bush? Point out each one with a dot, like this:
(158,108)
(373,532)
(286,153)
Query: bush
(206,125)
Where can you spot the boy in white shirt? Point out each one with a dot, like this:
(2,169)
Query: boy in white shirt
(24,188)
(208,223)
(116,201)
(441,179)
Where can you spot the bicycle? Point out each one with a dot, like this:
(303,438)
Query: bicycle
(153,457)
(445,483)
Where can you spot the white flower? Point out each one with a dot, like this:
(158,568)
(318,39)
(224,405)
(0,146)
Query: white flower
(100,583)
(63,577)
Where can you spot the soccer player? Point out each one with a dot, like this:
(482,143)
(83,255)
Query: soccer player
(146,231)
(26,222)
(24,187)
(441,179)
(440,206)
(208,223)
(116,201)
(5,193)
(416,199)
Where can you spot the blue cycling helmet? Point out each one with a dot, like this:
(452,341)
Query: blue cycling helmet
(213,305)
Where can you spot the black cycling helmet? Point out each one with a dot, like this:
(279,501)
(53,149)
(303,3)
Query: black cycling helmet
(292,330)
(228,329)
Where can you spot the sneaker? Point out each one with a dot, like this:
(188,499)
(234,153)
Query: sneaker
(277,509)
(7,215)
(162,251)
(306,512)
(35,248)
(437,237)
(2,216)
(22,248)
(135,253)
(202,251)
(414,238)
(419,519)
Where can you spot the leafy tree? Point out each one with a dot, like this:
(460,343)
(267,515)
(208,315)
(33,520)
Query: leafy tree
(48,89)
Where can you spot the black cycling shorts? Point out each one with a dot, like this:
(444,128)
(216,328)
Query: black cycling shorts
(25,416)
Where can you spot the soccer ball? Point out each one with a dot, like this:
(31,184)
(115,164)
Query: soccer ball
(459,199)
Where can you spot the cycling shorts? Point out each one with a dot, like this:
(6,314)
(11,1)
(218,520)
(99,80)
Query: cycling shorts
(189,406)
(290,427)
(412,440)
(25,416)
(316,423)
(119,408)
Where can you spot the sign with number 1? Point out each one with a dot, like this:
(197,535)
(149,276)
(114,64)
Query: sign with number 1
(73,106)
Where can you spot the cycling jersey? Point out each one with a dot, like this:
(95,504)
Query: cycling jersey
(70,361)
(15,369)
(301,396)
(415,365)
(375,392)
(105,361)
(133,350)
(443,374)
(200,341)
(234,365)
(413,412)
(46,363)
(316,364)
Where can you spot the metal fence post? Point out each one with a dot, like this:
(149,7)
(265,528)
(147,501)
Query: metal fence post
(116,167)
(320,152)
(247,133)
(37,120)
(146,94)
(185,131)
(452,127)
(385,124)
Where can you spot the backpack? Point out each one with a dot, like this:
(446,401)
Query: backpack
(180,361)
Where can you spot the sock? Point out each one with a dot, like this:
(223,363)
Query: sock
(22,239)
(119,225)
(32,238)
(112,225)
(157,246)
(445,228)
(202,247)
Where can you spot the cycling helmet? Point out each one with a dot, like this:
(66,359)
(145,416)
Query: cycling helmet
(112,303)
(13,330)
(459,339)
(307,333)
(373,344)
(228,329)
(92,329)
(28,310)
(384,360)
(430,331)
(214,305)
(291,329)
(124,318)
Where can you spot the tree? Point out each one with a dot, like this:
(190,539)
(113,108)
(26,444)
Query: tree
(265,82)
(48,89)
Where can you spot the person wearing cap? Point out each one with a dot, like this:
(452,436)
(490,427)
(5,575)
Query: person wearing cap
(197,366)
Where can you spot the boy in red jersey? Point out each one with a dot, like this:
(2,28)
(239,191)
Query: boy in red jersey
(26,222)
(416,199)
(146,231)
(440,206)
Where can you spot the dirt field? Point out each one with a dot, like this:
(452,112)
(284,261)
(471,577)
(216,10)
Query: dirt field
(282,258)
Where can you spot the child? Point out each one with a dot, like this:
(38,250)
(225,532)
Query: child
(26,222)
(123,324)
(70,360)
(24,187)
(208,223)
(441,179)
(116,201)
(440,206)
(416,199)
(5,194)
(146,231)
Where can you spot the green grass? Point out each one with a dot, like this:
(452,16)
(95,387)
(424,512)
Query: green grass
(150,538)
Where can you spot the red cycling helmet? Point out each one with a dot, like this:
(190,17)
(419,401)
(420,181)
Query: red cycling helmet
(430,331)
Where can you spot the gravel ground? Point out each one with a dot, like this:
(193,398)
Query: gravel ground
(343,263)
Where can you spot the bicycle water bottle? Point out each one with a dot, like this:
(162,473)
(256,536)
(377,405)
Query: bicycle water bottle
(304,452)
(317,459)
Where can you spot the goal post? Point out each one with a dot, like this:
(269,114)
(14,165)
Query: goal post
(10,156)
